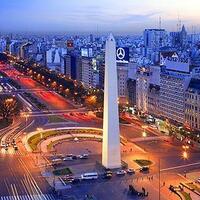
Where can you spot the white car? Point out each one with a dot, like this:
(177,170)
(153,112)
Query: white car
(3,145)
(198,180)
(121,172)
(67,158)
(130,171)
(153,126)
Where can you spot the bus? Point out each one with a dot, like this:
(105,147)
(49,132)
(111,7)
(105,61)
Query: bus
(89,176)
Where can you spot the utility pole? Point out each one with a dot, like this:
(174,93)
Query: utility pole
(159,176)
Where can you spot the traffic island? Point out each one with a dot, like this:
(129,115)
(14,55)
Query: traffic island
(62,172)
(143,163)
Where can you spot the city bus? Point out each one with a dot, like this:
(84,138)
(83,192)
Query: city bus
(89,176)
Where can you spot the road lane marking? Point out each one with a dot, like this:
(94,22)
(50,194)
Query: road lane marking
(34,183)
(180,166)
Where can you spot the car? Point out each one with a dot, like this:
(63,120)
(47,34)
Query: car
(121,172)
(107,176)
(76,180)
(144,169)
(74,157)
(69,179)
(15,147)
(198,180)
(130,171)
(108,172)
(83,156)
(153,126)
(68,155)
(67,158)
(3,145)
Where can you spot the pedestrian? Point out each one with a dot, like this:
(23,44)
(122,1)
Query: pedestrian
(163,183)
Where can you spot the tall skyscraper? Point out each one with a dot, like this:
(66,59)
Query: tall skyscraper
(111,157)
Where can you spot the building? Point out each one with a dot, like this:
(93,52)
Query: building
(154,39)
(175,79)
(2,45)
(153,105)
(53,60)
(145,76)
(192,105)
(131,92)
(101,75)
(122,72)
(87,72)
(71,66)
(179,39)
(164,55)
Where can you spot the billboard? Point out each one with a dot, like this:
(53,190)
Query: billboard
(178,64)
(122,54)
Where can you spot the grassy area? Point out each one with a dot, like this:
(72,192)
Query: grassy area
(193,186)
(185,195)
(4,123)
(55,119)
(62,172)
(143,163)
(35,139)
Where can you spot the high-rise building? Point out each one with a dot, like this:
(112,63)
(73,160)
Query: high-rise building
(87,72)
(145,77)
(192,105)
(122,73)
(131,92)
(175,79)
(71,66)
(179,39)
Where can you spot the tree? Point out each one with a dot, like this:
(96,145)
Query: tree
(91,101)
(9,107)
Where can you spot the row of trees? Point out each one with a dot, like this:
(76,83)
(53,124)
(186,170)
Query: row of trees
(72,89)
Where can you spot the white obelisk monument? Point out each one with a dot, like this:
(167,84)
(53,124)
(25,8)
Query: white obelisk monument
(111,157)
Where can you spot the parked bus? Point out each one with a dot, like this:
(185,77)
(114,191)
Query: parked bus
(89,176)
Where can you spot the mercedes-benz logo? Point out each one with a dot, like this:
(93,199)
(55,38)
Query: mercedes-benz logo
(120,53)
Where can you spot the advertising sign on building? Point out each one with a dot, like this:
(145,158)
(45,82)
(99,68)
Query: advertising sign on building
(122,54)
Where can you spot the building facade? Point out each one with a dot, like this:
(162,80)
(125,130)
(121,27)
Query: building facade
(192,105)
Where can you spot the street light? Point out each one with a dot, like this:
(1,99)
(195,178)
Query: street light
(25,115)
(185,155)
(144,134)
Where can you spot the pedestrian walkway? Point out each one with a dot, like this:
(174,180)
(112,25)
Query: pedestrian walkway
(29,197)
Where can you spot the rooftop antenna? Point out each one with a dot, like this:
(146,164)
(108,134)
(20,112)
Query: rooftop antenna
(160,26)
(179,24)
(160,22)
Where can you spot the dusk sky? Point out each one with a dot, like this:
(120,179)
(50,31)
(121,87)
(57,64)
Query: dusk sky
(130,16)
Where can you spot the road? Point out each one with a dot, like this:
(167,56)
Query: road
(47,97)
(21,177)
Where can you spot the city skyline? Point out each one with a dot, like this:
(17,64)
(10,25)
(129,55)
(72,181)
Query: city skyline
(98,17)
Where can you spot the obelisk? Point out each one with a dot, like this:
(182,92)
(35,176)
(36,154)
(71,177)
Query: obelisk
(111,157)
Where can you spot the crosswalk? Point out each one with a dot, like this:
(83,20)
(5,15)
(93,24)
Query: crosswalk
(12,152)
(29,197)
